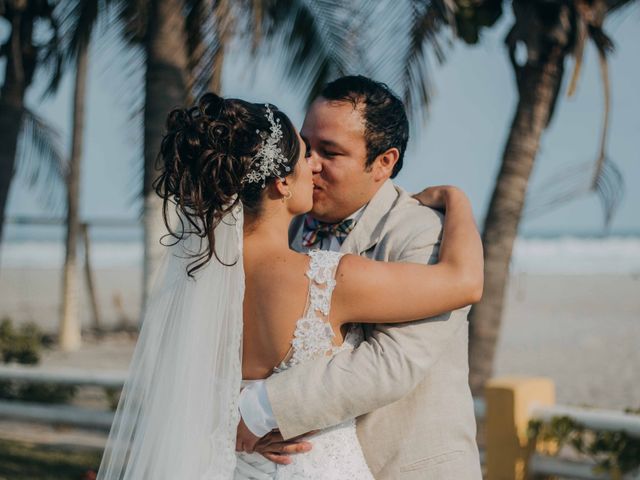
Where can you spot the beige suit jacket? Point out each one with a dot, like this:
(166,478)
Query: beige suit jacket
(408,383)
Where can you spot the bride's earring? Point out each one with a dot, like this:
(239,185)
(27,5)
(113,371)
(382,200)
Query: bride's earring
(287,196)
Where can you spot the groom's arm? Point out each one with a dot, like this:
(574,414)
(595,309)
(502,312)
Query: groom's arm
(385,368)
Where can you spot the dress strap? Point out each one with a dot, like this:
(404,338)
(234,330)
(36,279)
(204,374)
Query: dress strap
(313,335)
(323,265)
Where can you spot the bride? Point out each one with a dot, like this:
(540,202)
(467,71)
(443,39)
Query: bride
(233,303)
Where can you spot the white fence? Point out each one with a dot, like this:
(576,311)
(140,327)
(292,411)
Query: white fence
(60,414)
(509,406)
(592,419)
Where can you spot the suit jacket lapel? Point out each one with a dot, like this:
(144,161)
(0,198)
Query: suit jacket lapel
(367,231)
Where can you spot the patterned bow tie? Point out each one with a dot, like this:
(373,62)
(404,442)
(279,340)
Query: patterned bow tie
(315,230)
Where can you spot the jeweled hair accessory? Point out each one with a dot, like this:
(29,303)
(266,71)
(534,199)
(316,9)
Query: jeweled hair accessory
(269,160)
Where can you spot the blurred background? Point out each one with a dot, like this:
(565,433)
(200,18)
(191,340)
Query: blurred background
(530,106)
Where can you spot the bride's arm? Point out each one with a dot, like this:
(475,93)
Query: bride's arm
(381,292)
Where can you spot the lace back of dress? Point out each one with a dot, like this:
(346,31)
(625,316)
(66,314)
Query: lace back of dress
(313,335)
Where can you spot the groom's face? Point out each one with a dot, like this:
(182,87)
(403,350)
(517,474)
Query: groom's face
(334,134)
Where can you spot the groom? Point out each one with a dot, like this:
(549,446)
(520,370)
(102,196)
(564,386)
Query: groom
(407,384)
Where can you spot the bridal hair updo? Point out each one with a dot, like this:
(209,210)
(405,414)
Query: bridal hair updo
(205,156)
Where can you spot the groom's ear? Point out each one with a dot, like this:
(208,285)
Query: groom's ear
(384,163)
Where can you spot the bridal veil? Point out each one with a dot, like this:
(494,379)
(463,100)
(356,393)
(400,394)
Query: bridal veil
(177,415)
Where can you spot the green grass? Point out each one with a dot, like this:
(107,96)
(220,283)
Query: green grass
(27,461)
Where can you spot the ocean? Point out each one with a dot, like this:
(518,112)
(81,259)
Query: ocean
(535,255)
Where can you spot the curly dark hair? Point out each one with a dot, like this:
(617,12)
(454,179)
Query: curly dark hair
(204,157)
(385,119)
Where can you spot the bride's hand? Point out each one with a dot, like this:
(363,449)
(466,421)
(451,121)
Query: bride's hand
(245,439)
(435,197)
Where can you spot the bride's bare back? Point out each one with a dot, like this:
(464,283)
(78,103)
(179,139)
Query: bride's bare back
(275,299)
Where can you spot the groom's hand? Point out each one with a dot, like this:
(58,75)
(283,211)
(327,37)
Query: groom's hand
(273,447)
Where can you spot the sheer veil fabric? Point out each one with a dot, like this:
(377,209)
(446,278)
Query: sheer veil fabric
(178,412)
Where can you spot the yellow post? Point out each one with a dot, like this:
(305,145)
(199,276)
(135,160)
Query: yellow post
(510,401)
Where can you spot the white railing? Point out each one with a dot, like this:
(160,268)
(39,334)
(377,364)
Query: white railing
(592,419)
(56,414)
(64,376)
(59,414)
(542,465)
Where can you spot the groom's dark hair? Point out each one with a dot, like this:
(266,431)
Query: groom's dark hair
(385,119)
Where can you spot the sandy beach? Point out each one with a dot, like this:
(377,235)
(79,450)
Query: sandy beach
(583,331)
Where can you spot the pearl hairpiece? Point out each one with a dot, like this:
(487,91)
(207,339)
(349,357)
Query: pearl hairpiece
(269,159)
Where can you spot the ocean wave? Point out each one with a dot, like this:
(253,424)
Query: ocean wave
(33,254)
(575,255)
(564,255)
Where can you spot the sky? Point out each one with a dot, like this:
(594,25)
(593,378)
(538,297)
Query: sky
(460,142)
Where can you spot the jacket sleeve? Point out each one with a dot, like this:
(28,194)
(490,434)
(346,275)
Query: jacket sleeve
(383,369)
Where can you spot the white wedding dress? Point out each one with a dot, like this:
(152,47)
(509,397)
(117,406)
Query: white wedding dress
(336,452)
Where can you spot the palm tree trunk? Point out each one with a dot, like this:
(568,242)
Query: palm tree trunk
(539,82)
(21,58)
(166,88)
(11,108)
(69,334)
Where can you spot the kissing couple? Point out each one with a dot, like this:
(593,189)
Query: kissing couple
(309,318)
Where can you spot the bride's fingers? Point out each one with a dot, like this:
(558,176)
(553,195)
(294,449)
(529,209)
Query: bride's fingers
(290,448)
(279,459)
(270,445)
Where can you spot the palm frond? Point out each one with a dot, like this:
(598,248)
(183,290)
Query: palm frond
(132,16)
(603,47)
(607,179)
(121,60)
(422,32)
(576,181)
(40,160)
(567,183)
(209,29)
(77,20)
(195,37)
(314,40)
(609,185)
(410,72)
(51,52)
(580,29)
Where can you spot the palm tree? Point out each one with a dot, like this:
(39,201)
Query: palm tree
(544,35)
(23,55)
(69,332)
(551,31)
(185,43)
(77,19)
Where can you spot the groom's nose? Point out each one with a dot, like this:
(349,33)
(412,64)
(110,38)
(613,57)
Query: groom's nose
(314,163)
